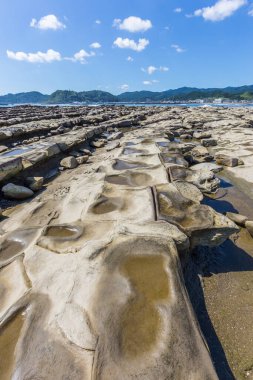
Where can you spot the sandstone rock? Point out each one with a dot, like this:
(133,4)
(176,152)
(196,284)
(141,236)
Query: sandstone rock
(86,152)
(208,166)
(112,145)
(222,159)
(237,218)
(16,192)
(3,148)
(201,135)
(9,166)
(82,160)
(69,162)
(208,142)
(34,183)
(170,136)
(198,155)
(97,144)
(249,226)
(115,136)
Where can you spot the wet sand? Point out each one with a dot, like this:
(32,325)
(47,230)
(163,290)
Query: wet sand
(228,290)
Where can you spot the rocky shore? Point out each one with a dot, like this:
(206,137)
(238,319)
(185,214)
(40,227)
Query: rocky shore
(126,240)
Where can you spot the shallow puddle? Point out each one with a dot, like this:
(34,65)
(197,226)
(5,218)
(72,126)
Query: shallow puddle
(10,249)
(107,205)
(141,322)
(9,335)
(133,179)
(124,165)
(128,151)
(16,152)
(61,231)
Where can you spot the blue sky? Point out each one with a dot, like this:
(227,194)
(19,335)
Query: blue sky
(122,45)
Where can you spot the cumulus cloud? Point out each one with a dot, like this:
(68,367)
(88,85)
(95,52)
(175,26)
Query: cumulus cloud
(178,48)
(98,22)
(47,22)
(178,10)
(95,45)
(132,24)
(130,59)
(81,56)
(124,87)
(152,69)
(39,57)
(220,10)
(126,43)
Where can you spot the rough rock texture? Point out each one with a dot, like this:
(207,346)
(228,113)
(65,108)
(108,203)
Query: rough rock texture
(99,291)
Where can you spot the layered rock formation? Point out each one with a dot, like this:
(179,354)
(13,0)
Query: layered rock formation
(91,283)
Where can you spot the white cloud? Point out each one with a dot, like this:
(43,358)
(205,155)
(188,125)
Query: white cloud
(39,57)
(163,68)
(130,59)
(178,10)
(98,22)
(95,45)
(220,10)
(151,69)
(149,82)
(250,13)
(126,43)
(132,24)
(178,48)
(124,87)
(81,56)
(47,22)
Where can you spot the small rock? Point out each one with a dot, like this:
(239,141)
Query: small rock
(237,218)
(69,162)
(82,160)
(97,144)
(249,226)
(170,136)
(112,145)
(207,165)
(202,135)
(16,192)
(86,152)
(222,159)
(208,142)
(115,136)
(34,183)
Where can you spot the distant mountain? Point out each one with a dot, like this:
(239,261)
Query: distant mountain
(24,97)
(180,94)
(85,96)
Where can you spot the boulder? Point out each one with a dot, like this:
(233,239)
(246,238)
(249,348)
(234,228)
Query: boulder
(69,162)
(81,160)
(198,155)
(34,183)
(85,152)
(16,192)
(208,142)
(222,159)
(208,166)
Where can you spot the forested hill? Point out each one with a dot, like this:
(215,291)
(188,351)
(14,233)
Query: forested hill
(180,94)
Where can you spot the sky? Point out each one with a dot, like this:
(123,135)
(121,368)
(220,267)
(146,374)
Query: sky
(124,45)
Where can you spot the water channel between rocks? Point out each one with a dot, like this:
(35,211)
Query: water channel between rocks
(228,291)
